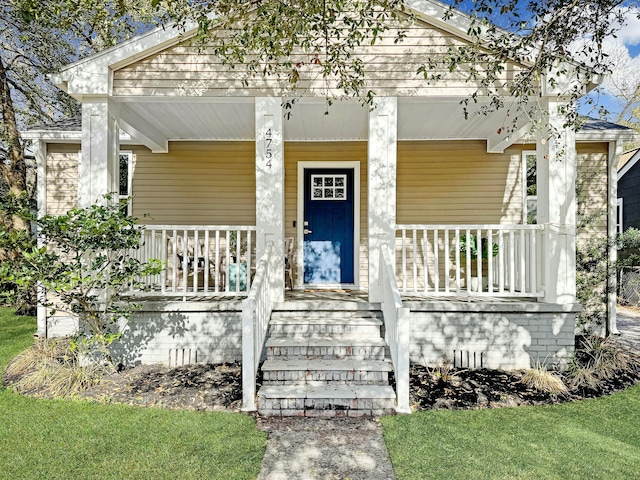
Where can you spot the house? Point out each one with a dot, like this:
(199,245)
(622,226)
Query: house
(406,220)
(629,190)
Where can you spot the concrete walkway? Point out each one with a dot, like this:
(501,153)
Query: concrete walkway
(312,448)
(628,320)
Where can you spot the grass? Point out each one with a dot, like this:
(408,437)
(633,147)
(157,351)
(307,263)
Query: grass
(589,439)
(75,439)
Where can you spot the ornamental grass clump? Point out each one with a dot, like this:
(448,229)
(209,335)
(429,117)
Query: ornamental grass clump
(596,359)
(53,369)
(541,379)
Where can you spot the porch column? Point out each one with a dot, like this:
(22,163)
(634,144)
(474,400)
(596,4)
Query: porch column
(40,153)
(98,168)
(270,184)
(382,155)
(615,150)
(556,180)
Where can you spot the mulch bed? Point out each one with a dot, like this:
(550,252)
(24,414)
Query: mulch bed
(219,387)
(192,387)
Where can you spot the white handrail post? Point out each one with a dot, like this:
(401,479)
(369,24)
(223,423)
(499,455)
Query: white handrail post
(402,374)
(248,357)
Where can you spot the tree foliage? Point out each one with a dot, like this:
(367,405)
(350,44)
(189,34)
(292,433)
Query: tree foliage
(85,264)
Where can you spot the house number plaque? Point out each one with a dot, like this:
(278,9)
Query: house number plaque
(268,143)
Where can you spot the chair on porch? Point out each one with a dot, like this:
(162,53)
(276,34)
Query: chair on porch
(288,262)
(195,256)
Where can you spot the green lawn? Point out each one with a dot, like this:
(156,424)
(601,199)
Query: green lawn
(74,439)
(589,439)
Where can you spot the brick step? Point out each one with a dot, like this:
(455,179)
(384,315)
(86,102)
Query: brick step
(326,314)
(325,347)
(326,401)
(358,326)
(319,372)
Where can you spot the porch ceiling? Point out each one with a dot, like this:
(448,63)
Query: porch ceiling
(234,119)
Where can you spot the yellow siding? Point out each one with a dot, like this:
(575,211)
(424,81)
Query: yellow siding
(592,189)
(62,178)
(458,182)
(196,183)
(295,152)
(390,69)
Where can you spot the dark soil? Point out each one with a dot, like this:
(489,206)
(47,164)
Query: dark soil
(192,387)
(483,388)
(219,387)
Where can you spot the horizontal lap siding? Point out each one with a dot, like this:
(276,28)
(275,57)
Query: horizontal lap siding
(458,182)
(196,183)
(295,152)
(189,69)
(592,189)
(454,182)
(62,178)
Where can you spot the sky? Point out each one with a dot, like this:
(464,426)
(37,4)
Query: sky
(625,51)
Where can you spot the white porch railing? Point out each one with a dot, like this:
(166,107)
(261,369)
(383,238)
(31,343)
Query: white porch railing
(444,260)
(256,313)
(396,328)
(199,260)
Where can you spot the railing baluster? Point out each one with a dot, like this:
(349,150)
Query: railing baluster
(532,262)
(446,260)
(457,247)
(185,258)
(404,261)
(195,261)
(490,260)
(467,272)
(479,258)
(436,261)
(501,266)
(523,267)
(415,260)
(425,255)
(227,261)
(512,263)
(174,263)
(207,267)
(218,262)
(163,258)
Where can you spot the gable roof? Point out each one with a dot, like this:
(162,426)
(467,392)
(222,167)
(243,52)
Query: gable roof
(627,161)
(90,76)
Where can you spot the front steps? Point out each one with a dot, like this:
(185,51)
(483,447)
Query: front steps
(326,361)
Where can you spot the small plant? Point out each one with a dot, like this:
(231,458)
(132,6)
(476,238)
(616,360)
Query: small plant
(444,370)
(52,368)
(86,266)
(542,379)
(472,242)
(596,359)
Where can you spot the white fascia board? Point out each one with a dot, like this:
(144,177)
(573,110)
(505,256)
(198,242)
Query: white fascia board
(73,136)
(91,75)
(606,136)
(629,165)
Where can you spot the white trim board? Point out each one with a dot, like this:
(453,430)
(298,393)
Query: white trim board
(302,166)
(629,165)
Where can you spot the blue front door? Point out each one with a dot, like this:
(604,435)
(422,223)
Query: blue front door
(328,227)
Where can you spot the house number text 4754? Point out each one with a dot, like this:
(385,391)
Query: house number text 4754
(268,142)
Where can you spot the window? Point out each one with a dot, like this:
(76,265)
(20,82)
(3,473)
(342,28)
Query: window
(125,174)
(529,182)
(328,187)
(619,217)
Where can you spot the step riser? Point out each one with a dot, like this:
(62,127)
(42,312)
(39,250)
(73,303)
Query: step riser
(326,353)
(298,377)
(290,329)
(326,407)
(297,314)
